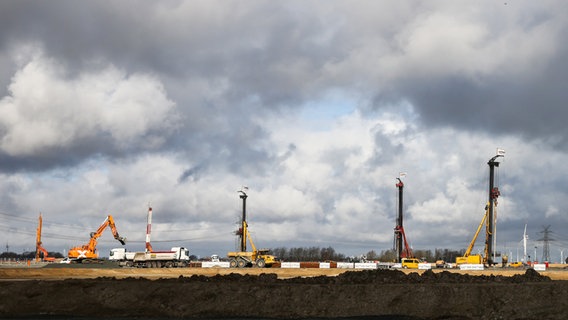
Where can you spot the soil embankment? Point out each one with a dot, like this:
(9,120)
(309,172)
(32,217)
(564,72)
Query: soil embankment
(430,295)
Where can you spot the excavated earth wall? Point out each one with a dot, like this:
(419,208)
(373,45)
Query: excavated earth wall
(372,293)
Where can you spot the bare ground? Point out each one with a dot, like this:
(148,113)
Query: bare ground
(283,293)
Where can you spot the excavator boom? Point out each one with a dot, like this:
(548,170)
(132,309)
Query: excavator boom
(89,251)
(109,222)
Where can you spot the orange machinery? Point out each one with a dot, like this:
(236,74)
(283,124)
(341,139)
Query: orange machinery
(89,250)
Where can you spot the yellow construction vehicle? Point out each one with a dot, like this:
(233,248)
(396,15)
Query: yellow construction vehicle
(468,258)
(488,219)
(89,250)
(257,257)
(243,258)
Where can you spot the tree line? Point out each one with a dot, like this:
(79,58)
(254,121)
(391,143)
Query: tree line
(26,255)
(307,254)
(389,255)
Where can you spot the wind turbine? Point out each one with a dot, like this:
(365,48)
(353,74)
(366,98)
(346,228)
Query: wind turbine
(525,238)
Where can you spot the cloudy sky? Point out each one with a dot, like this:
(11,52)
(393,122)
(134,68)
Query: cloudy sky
(107,107)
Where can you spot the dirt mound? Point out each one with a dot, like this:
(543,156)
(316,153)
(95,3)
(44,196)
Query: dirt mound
(371,293)
(375,277)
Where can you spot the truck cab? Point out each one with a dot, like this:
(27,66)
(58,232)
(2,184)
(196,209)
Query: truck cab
(182,253)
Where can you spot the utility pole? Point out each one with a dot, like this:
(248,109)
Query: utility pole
(493,194)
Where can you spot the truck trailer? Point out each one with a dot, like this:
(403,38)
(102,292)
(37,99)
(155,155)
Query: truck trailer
(177,257)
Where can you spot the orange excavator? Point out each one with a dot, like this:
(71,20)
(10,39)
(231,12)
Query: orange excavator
(89,251)
(39,248)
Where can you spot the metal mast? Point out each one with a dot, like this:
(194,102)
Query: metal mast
(493,195)
(546,243)
(242,235)
(399,233)
(398,228)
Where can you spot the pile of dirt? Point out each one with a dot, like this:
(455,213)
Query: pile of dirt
(377,293)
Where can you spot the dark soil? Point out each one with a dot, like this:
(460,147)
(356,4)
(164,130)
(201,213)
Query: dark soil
(381,294)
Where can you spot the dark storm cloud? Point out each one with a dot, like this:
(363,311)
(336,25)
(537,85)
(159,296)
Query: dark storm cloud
(261,48)
(524,94)
(275,55)
(533,108)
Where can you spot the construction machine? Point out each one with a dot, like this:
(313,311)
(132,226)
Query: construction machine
(89,250)
(399,234)
(488,219)
(257,257)
(243,258)
(39,248)
(468,258)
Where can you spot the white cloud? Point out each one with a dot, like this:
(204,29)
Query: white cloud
(48,109)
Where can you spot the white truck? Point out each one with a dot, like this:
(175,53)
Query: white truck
(176,257)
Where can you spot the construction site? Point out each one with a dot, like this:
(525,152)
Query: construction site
(248,255)
(252,282)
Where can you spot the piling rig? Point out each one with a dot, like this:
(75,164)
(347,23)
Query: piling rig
(243,258)
(399,234)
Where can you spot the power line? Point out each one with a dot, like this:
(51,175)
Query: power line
(546,243)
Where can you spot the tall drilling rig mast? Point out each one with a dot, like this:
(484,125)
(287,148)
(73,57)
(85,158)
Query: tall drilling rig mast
(399,233)
(492,202)
(243,229)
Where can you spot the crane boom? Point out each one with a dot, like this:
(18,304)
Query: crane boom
(468,257)
(472,243)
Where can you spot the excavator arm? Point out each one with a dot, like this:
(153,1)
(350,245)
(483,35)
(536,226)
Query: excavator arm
(109,222)
(88,251)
